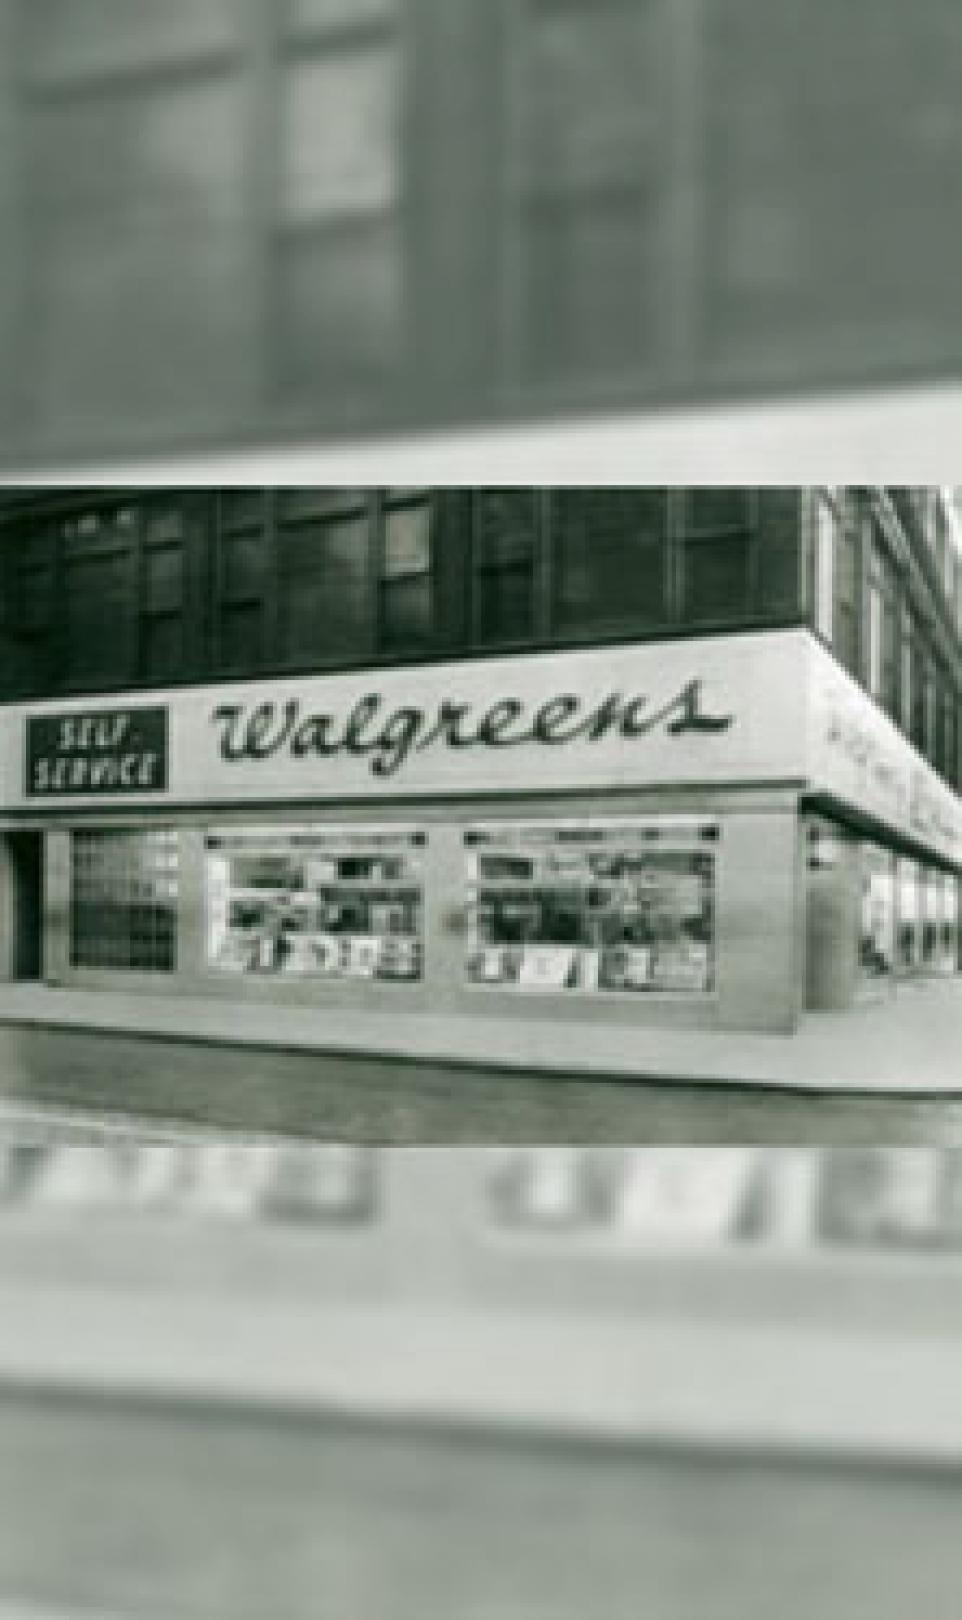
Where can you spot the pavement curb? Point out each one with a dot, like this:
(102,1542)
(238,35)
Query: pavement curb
(500,1068)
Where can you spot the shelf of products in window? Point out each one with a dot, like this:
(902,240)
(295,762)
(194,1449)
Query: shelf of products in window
(316,907)
(618,909)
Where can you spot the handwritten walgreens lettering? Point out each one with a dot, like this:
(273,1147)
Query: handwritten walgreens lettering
(388,738)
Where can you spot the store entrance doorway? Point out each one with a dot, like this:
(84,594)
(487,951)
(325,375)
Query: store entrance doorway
(26,875)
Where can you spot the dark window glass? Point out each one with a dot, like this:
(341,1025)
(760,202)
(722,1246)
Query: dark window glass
(779,553)
(609,557)
(325,592)
(719,531)
(242,558)
(505,559)
(242,508)
(890,661)
(241,636)
(919,680)
(163,578)
(716,579)
(846,633)
(99,609)
(163,651)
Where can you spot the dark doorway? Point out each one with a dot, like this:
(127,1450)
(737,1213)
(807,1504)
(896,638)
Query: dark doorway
(26,862)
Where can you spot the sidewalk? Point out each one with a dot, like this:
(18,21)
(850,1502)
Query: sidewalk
(815,1388)
(908,1041)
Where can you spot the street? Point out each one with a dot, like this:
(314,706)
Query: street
(135,1511)
(377,1099)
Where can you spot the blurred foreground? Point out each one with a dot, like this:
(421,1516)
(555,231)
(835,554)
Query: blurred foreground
(262,1378)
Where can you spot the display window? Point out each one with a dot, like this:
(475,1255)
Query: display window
(931,920)
(949,941)
(879,924)
(316,902)
(909,919)
(123,902)
(592,906)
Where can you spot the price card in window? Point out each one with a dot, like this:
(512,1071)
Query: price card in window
(548,967)
(695,1194)
(326,950)
(363,955)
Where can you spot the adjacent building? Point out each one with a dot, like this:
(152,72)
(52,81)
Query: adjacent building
(236,221)
(636,755)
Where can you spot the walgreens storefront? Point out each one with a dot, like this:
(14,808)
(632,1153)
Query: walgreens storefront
(616,835)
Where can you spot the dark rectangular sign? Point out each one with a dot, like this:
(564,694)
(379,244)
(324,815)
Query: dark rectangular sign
(100,751)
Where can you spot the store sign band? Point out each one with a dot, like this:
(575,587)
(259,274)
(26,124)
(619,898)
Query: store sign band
(389,737)
(760,708)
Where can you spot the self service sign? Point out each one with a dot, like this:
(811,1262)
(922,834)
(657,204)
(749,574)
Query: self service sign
(103,751)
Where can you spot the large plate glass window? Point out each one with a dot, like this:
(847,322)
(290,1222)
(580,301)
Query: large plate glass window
(879,912)
(316,902)
(123,900)
(593,906)
(910,924)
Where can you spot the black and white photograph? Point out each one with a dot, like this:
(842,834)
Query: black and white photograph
(480,809)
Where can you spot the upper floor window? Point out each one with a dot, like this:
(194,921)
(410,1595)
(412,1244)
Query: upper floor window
(325,565)
(720,528)
(134,142)
(846,636)
(588,143)
(507,536)
(340,237)
(883,629)
(610,557)
(408,569)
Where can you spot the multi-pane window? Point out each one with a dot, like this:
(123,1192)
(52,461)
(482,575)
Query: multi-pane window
(720,527)
(826,526)
(163,637)
(242,573)
(931,713)
(505,559)
(408,569)
(340,253)
(325,563)
(135,152)
(883,631)
(99,625)
(847,592)
(609,557)
(947,744)
(123,900)
(918,686)
(587,141)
